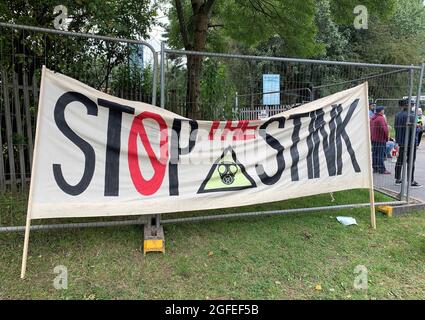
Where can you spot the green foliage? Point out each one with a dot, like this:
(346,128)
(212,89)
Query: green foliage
(217,92)
(130,81)
(329,35)
(390,23)
(173,29)
(343,10)
(251,22)
(131,18)
(297,23)
(92,61)
(398,41)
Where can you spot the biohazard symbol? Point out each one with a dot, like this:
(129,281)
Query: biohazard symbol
(227,174)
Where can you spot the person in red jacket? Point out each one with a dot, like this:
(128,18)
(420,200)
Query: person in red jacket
(379,135)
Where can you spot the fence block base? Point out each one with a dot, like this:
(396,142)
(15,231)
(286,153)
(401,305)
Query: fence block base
(394,211)
(387,210)
(154,240)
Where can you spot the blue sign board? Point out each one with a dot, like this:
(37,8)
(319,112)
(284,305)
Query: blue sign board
(271,83)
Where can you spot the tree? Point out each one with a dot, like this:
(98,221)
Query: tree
(335,40)
(194,39)
(202,24)
(131,19)
(393,37)
(398,42)
(249,21)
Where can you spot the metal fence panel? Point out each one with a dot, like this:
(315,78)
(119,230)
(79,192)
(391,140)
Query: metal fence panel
(230,87)
(108,64)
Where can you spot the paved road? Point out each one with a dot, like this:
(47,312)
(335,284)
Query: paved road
(387,181)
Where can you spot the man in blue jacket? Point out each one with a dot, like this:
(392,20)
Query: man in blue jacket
(402,119)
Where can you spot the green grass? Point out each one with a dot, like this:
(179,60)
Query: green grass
(280,257)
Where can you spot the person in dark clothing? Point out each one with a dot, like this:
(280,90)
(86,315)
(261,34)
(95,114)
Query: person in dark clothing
(421,125)
(402,118)
(379,136)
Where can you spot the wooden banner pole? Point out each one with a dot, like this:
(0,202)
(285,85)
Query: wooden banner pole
(26,242)
(33,177)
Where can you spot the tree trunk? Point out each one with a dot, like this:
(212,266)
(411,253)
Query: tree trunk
(201,15)
(194,70)
(194,66)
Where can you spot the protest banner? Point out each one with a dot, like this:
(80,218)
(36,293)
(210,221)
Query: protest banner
(98,155)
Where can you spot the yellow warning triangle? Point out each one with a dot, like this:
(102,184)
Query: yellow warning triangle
(227,174)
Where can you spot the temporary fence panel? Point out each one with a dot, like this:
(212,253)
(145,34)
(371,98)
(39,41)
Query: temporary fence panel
(225,87)
(231,87)
(121,67)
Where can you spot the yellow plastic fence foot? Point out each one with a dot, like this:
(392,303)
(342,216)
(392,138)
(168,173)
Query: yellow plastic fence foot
(387,210)
(153,234)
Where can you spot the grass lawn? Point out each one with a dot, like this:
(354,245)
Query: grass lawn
(280,257)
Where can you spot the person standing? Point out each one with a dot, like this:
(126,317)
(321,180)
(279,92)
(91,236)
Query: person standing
(421,125)
(379,136)
(402,119)
(372,107)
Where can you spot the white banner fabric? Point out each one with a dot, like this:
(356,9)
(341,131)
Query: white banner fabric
(98,155)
